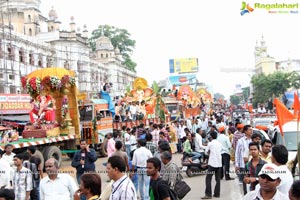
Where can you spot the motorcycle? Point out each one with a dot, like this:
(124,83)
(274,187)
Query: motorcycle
(197,167)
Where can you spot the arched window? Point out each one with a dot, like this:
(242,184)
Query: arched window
(31,58)
(11,54)
(30,32)
(52,28)
(101,55)
(40,62)
(21,56)
(29,18)
(107,55)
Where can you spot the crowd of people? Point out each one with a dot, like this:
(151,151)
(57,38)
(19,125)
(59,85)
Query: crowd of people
(140,165)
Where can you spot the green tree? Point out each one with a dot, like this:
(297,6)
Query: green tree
(295,80)
(272,85)
(218,96)
(246,93)
(235,100)
(119,38)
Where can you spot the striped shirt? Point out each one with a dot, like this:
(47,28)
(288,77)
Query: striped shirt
(123,189)
(22,183)
(241,147)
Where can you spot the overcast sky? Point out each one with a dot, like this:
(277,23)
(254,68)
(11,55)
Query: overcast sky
(212,31)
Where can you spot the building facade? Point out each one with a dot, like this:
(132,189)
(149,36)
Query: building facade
(31,41)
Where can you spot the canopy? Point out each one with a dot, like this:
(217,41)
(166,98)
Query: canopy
(54,71)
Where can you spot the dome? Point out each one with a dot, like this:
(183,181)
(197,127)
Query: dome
(117,50)
(53,14)
(104,43)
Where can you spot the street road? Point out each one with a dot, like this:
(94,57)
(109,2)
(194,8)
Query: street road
(229,189)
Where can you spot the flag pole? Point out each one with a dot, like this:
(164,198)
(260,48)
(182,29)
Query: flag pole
(298,144)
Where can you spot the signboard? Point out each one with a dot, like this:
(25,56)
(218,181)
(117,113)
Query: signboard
(186,79)
(15,104)
(183,65)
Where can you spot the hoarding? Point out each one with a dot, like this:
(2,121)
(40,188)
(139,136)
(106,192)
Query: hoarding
(15,104)
(184,79)
(183,65)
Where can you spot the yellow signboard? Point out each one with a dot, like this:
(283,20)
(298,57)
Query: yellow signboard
(183,65)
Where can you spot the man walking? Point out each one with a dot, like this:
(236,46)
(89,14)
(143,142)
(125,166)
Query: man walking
(139,160)
(22,179)
(159,189)
(84,160)
(214,149)
(226,146)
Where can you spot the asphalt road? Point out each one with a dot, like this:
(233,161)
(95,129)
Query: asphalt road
(229,189)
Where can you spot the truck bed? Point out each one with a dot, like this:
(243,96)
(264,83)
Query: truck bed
(26,142)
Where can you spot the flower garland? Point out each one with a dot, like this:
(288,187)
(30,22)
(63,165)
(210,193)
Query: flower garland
(34,85)
(64,107)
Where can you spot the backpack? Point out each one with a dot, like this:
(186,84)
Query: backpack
(33,169)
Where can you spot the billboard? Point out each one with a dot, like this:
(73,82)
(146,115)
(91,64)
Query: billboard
(15,104)
(183,65)
(186,79)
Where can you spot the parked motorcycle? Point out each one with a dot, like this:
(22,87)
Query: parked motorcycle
(194,168)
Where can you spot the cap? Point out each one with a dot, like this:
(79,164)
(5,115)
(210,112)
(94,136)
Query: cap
(271,170)
(221,129)
(239,126)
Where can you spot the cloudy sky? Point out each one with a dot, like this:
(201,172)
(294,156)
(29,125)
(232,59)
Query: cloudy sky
(212,31)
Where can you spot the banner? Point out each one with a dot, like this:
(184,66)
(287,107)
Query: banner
(15,103)
(186,79)
(183,65)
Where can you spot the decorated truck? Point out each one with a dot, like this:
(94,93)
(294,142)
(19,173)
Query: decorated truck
(55,126)
(151,106)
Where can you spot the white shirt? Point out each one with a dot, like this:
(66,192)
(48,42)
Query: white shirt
(133,109)
(198,143)
(241,146)
(224,140)
(204,124)
(9,158)
(141,156)
(133,143)
(261,110)
(127,138)
(215,159)
(255,195)
(181,132)
(286,179)
(22,183)
(62,188)
(5,171)
(123,189)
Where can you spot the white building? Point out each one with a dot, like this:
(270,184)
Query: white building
(30,41)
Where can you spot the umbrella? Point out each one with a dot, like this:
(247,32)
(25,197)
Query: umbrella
(54,71)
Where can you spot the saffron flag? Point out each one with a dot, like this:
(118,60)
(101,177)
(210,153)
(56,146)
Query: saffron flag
(296,105)
(283,114)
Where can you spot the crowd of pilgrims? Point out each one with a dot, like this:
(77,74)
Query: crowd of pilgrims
(214,140)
